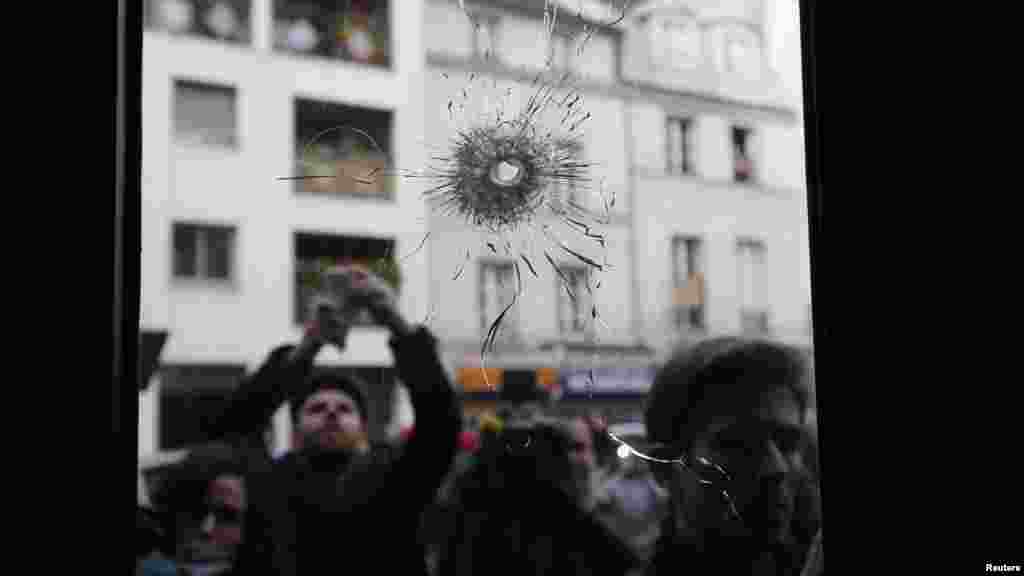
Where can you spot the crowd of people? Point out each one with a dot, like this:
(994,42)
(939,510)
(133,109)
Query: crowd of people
(731,488)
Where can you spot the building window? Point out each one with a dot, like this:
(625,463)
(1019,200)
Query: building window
(335,157)
(352,31)
(680,145)
(205,114)
(574,310)
(569,191)
(497,291)
(688,297)
(203,252)
(752,274)
(485,37)
(221,20)
(742,156)
(192,398)
(561,51)
(316,252)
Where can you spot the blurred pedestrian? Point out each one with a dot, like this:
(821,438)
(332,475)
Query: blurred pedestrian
(518,508)
(740,405)
(636,505)
(204,498)
(588,474)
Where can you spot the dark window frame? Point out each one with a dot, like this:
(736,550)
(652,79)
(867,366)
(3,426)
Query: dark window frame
(741,144)
(350,247)
(200,236)
(383,133)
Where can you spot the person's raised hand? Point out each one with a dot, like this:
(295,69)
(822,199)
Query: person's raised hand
(364,289)
(329,322)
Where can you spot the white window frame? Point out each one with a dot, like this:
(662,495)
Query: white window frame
(199,138)
(680,145)
(579,277)
(752,272)
(498,274)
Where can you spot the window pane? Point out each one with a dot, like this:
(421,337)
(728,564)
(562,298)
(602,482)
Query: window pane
(313,251)
(685,139)
(498,288)
(572,313)
(204,114)
(219,253)
(507,291)
(675,145)
(184,250)
(484,37)
(344,161)
(223,20)
(353,31)
(743,167)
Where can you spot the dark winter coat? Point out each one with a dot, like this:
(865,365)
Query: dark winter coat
(312,513)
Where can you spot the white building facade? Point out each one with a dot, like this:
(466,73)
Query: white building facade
(717,172)
(694,130)
(695,134)
(233,92)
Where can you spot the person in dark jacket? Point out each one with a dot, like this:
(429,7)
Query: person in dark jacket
(335,502)
(201,504)
(737,411)
(518,508)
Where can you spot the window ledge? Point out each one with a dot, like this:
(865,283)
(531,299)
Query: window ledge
(370,198)
(192,146)
(320,59)
(194,283)
(754,187)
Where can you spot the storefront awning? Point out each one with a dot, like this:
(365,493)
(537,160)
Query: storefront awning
(521,385)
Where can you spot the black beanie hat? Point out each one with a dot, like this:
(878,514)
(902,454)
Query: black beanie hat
(673,405)
(330,379)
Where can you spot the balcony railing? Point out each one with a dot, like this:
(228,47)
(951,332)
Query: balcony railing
(357,175)
(356,31)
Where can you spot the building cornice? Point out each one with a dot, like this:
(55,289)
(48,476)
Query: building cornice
(627,91)
(761,190)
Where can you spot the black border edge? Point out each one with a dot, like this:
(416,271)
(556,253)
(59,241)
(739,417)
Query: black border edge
(810,55)
(127,245)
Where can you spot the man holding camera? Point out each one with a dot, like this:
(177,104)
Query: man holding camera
(333,500)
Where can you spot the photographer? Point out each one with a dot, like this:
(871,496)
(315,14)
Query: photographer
(333,501)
